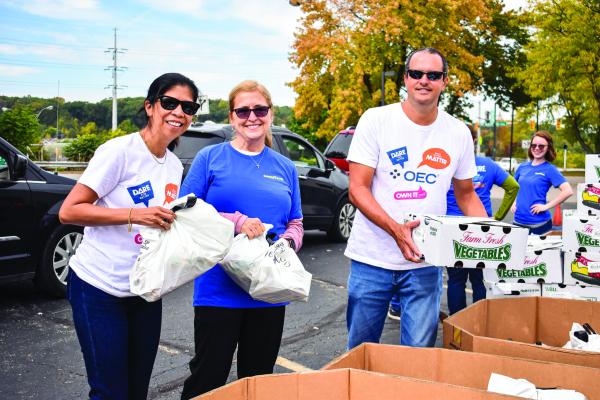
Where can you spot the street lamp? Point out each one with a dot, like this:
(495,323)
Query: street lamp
(42,110)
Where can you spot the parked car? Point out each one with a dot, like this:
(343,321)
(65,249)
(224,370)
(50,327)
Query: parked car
(506,164)
(33,242)
(323,187)
(337,149)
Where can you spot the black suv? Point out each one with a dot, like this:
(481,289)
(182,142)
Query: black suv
(323,187)
(33,243)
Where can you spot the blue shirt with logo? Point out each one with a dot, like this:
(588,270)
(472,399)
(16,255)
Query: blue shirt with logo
(232,181)
(488,174)
(535,182)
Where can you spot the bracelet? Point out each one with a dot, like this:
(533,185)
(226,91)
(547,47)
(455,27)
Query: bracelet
(129,220)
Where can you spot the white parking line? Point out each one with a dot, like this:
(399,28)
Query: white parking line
(291,365)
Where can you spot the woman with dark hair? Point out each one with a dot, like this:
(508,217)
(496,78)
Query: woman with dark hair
(253,184)
(535,179)
(126,185)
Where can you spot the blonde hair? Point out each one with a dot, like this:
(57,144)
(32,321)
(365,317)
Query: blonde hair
(252,86)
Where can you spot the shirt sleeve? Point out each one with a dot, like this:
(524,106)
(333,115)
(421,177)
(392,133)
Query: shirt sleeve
(556,178)
(105,169)
(500,175)
(196,179)
(296,209)
(364,149)
(466,167)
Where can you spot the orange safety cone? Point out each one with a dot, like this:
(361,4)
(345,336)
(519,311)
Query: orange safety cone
(557,217)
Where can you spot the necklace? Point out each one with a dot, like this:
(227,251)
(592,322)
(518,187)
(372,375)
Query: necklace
(158,160)
(259,161)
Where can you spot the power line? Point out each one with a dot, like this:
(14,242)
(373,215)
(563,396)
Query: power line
(115,51)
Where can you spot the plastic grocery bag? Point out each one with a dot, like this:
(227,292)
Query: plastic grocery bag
(269,273)
(523,388)
(582,339)
(198,239)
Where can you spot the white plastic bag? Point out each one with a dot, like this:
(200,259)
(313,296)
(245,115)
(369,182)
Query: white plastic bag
(269,273)
(198,239)
(592,344)
(523,388)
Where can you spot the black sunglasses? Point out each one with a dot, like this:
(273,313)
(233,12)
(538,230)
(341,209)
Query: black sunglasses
(431,75)
(259,111)
(171,103)
(539,146)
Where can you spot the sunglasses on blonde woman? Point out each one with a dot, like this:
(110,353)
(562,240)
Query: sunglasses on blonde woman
(259,111)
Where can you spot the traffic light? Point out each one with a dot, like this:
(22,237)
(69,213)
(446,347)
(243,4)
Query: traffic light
(532,125)
(558,124)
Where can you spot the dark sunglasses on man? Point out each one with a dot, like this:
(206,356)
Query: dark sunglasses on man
(259,111)
(431,75)
(171,103)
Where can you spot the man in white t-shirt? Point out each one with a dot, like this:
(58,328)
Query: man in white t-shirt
(403,158)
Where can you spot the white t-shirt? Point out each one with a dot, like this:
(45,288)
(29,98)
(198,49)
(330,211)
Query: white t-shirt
(124,174)
(414,166)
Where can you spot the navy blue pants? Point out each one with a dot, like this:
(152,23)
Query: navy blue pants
(457,279)
(118,338)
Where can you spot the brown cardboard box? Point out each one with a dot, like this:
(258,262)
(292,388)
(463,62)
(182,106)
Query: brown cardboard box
(343,384)
(511,327)
(466,369)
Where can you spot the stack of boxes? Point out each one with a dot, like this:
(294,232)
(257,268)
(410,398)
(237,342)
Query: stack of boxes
(581,234)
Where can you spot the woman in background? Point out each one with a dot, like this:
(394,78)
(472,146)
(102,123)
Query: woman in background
(535,178)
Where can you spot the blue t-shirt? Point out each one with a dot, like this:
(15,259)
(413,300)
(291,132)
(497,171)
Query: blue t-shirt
(488,174)
(535,182)
(231,181)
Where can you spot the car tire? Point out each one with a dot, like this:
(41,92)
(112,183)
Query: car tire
(342,222)
(51,276)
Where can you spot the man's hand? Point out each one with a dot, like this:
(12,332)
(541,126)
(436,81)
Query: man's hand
(403,237)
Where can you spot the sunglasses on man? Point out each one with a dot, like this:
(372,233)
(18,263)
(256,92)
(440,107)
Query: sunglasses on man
(171,103)
(259,111)
(431,75)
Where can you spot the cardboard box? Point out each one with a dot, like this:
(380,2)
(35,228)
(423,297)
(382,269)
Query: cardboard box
(343,384)
(498,290)
(588,198)
(511,327)
(592,168)
(470,242)
(575,292)
(581,233)
(466,369)
(543,264)
(581,269)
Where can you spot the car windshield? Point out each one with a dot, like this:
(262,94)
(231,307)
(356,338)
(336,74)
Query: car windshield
(190,144)
(338,148)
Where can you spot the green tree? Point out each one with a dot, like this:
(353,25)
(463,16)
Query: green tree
(20,127)
(219,111)
(83,147)
(563,66)
(343,47)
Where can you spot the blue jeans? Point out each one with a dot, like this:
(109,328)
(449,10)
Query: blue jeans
(370,290)
(118,338)
(457,279)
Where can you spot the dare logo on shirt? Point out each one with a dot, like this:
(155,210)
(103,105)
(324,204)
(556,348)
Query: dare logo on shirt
(398,156)
(170,193)
(435,158)
(141,193)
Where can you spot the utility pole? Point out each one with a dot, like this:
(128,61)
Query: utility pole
(114,68)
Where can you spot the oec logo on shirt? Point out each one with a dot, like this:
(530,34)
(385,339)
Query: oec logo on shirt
(142,193)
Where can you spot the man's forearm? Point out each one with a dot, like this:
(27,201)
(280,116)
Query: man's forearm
(363,199)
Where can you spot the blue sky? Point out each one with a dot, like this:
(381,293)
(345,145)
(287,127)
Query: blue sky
(217,43)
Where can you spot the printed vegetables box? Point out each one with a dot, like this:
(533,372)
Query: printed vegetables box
(581,268)
(592,168)
(543,264)
(499,290)
(581,233)
(574,292)
(470,242)
(588,198)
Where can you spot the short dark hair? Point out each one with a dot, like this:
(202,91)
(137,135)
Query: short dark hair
(429,50)
(161,85)
(551,152)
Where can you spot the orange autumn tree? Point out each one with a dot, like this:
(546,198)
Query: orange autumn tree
(343,46)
